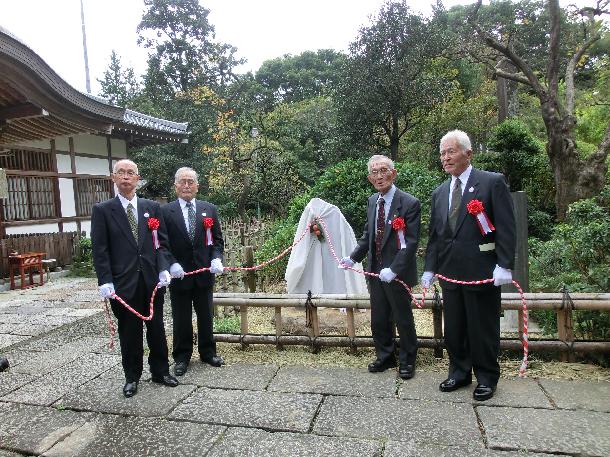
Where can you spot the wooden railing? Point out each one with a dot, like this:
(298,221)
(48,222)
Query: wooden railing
(565,343)
(58,246)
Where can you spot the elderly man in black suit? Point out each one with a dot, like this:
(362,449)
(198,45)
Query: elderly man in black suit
(130,257)
(195,241)
(390,238)
(472,237)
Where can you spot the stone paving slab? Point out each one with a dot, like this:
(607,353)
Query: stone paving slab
(30,329)
(9,454)
(414,449)
(401,420)
(49,388)
(45,362)
(593,396)
(10,381)
(523,392)
(9,340)
(244,442)
(550,431)
(242,376)
(356,382)
(34,429)
(118,436)
(268,410)
(106,395)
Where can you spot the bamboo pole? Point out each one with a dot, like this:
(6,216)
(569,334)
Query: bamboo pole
(351,327)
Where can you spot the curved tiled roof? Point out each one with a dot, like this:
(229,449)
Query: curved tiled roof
(36,103)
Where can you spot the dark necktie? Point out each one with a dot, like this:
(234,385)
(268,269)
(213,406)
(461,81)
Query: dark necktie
(191,214)
(456,199)
(132,221)
(380,230)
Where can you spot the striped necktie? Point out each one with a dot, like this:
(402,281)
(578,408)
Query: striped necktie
(380,230)
(191,215)
(456,200)
(132,221)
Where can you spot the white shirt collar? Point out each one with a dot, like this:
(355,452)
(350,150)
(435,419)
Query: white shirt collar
(463,177)
(133,201)
(184,202)
(389,195)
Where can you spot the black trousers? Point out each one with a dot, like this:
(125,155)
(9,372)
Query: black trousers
(391,304)
(131,333)
(183,302)
(472,332)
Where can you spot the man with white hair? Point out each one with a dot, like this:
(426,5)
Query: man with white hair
(390,238)
(130,255)
(471,238)
(195,241)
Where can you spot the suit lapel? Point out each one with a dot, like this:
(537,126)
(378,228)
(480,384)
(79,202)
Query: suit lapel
(395,208)
(467,197)
(442,208)
(178,217)
(372,218)
(120,217)
(142,222)
(199,210)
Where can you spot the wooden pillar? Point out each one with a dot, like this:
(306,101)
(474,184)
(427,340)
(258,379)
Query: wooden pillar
(351,328)
(243,310)
(248,253)
(565,326)
(56,192)
(279,327)
(109,152)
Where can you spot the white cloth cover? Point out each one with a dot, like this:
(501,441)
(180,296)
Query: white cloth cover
(312,266)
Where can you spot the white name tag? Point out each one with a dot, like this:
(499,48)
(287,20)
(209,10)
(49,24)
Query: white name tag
(487,247)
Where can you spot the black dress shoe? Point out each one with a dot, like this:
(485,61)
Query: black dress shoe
(215,361)
(451,384)
(130,389)
(483,392)
(180,368)
(377,366)
(406,371)
(4,363)
(166,380)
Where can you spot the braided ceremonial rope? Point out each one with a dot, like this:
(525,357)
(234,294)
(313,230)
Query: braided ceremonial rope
(334,254)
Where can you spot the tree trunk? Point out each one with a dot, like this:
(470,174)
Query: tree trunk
(394,138)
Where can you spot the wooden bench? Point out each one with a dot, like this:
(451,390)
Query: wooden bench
(27,262)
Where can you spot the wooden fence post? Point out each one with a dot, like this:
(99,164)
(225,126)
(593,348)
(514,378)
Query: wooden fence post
(351,328)
(565,328)
(278,327)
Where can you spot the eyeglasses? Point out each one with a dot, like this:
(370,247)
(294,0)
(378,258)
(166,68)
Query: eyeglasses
(380,172)
(448,152)
(129,173)
(187,182)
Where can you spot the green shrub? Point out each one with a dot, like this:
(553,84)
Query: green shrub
(83,261)
(229,324)
(282,236)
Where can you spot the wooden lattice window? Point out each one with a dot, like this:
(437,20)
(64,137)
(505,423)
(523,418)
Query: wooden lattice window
(90,191)
(27,160)
(30,198)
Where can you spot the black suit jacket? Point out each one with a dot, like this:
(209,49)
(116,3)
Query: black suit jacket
(116,256)
(195,255)
(400,261)
(467,254)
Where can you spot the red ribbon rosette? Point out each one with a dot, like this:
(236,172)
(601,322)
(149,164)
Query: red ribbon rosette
(153,225)
(208,223)
(399,225)
(476,208)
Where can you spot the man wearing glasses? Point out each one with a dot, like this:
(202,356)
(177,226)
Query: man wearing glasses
(130,255)
(195,241)
(471,237)
(390,238)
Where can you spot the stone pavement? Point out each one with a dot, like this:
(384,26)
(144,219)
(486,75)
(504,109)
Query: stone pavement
(62,397)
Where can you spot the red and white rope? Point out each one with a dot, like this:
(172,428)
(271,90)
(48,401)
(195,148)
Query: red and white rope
(328,237)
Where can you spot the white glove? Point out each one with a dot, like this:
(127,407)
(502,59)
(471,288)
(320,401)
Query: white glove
(107,290)
(164,279)
(176,271)
(346,262)
(427,279)
(502,276)
(216,267)
(387,275)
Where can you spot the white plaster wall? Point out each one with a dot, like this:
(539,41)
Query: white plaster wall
(91,166)
(85,226)
(69,226)
(64,164)
(90,144)
(118,147)
(34,228)
(41,144)
(62,144)
(66,196)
